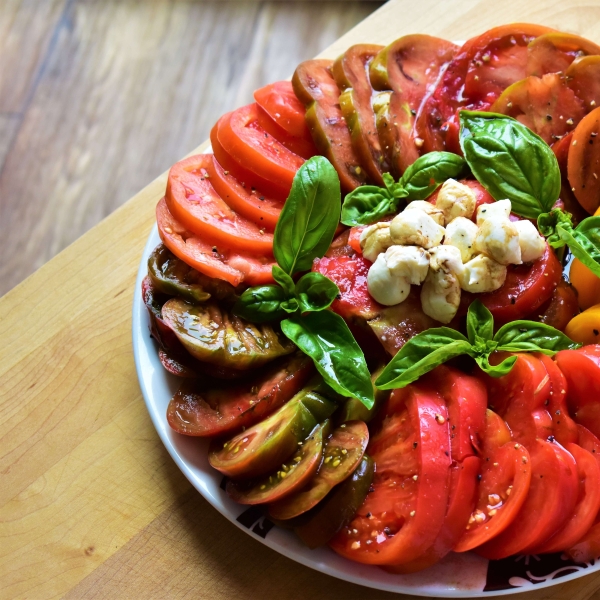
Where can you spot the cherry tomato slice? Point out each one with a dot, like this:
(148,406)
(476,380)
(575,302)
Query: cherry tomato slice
(200,410)
(403,515)
(206,257)
(583,76)
(193,201)
(279,101)
(290,476)
(561,308)
(550,502)
(586,508)
(342,453)
(526,288)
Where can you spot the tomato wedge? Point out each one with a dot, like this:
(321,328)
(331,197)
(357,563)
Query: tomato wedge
(342,453)
(193,201)
(280,102)
(200,410)
(526,288)
(403,515)
(206,257)
(583,76)
(290,476)
(561,308)
(586,509)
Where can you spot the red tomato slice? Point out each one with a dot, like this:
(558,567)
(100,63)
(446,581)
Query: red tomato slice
(584,79)
(588,547)
(354,238)
(280,102)
(588,441)
(497,433)
(248,144)
(203,255)
(341,246)
(526,288)
(403,515)
(263,211)
(550,502)
(561,308)
(193,201)
(198,410)
(581,369)
(586,509)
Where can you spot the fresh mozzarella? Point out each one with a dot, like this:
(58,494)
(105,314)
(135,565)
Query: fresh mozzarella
(495,210)
(532,244)
(435,213)
(499,239)
(416,228)
(374,240)
(482,274)
(409,262)
(461,233)
(455,199)
(384,287)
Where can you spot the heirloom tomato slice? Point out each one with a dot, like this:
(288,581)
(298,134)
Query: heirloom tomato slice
(561,308)
(279,101)
(198,409)
(583,76)
(404,513)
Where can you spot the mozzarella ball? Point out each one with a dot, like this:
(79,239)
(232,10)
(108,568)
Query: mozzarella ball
(499,239)
(461,233)
(416,228)
(456,199)
(384,287)
(435,213)
(410,262)
(374,240)
(495,210)
(532,244)
(482,274)
(446,259)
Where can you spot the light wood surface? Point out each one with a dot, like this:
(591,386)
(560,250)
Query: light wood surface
(91,506)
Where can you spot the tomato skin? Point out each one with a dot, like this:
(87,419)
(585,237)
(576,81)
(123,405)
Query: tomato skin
(526,288)
(561,308)
(585,327)
(407,440)
(279,101)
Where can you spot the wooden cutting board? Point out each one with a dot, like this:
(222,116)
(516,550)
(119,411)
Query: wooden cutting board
(91,504)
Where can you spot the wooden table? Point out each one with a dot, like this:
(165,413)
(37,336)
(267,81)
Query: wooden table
(91,504)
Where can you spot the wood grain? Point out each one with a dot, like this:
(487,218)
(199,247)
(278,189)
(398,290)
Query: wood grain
(91,505)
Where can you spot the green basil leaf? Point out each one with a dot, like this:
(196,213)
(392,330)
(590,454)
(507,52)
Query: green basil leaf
(480,322)
(290,306)
(429,171)
(367,204)
(584,242)
(261,304)
(309,217)
(510,161)
(325,337)
(500,370)
(547,223)
(315,292)
(284,280)
(394,188)
(420,355)
(530,336)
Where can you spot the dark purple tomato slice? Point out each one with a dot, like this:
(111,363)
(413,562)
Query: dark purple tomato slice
(199,409)
(342,453)
(290,476)
(176,367)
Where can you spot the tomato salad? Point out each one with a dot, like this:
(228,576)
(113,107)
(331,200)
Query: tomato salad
(362,291)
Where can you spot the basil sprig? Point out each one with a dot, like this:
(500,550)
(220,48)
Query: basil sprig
(433,347)
(369,203)
(304,231)
(583,240)
(510,161)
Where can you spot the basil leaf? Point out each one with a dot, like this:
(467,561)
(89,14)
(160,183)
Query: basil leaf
(284,280)
(315,292)
(420,355)
(503,368)
(396,190)
(290,306)
(480,322)
(429,171)
(367,204)
(309,217)
(529,336)
(261,304)
(547,223)
(510,161)
(325,337)
(584,242)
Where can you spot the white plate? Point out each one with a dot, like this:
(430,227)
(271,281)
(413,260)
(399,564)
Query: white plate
(458,575)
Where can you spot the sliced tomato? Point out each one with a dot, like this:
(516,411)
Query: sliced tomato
(587,506)
(342,453)
(193,201)
(405,511)
(261,210)
(280,102)
(350,275)
(341,246)
(289,477)
(525,289)
(497,433)
(354,238)
(198,409)
(550,502)
(554,52)
(583,76)
(547,105)
(583,165)
(315,87)
(176,367)
(561,308)
(581,369)
(588,547)
(588,441)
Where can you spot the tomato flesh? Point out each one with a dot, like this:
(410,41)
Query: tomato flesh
(561,308)
(279,101)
